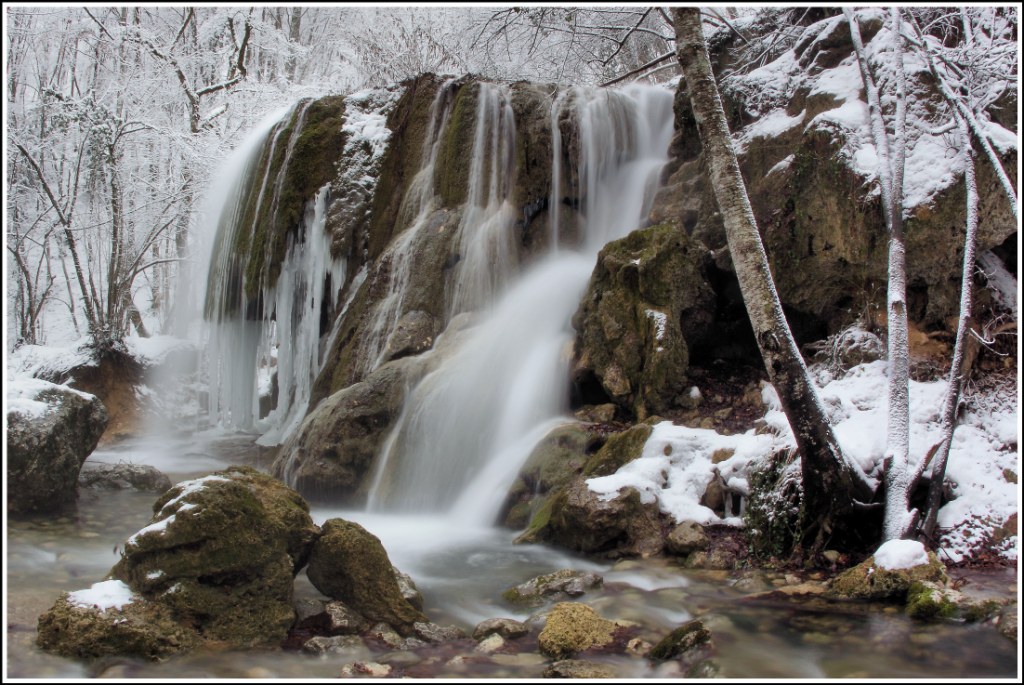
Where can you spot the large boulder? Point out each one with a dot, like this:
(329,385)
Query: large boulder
(332,451)
(870,580)
(222,553)
(648,297)
(123,476)
(350,564)
(51,430)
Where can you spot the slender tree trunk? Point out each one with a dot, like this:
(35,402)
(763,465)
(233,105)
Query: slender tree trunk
(963,331)
(831,485)
(899,521)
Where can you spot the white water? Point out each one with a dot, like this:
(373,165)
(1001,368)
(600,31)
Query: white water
(243,352)
(469,425)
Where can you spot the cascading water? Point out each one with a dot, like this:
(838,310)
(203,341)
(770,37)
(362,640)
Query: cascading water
(469,425)
(283,337)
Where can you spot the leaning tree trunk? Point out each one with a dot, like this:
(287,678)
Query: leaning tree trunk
(831,486)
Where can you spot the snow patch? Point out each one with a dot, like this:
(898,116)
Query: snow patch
(660,320)
(782,165)
(899,554)
(22,393)
(109,594)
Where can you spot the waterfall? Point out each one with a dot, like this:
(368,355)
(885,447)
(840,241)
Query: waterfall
(468,425)
(279,336)
(419,202)
(486,245)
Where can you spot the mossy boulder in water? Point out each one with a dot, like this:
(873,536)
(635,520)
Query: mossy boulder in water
(572,628)
(349,563)
(648,296)
(681,641)
(51,430)
(76,627)
(868,580)
(560,584)
(221,553)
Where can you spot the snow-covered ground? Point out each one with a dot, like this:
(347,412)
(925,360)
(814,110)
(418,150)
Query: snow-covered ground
(676,464)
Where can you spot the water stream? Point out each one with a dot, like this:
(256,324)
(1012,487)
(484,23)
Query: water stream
(462,572)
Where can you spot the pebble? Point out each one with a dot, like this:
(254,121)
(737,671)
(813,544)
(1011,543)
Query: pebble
(490,644)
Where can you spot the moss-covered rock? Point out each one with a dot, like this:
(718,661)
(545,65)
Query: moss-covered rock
(331,453)
(47,447)
(558,585)
(349,563)
(579,669)
(221,553)
(648,295)
(681,641)
(617,451)
(579,520)
(931,600)
(572,628)
(869,581)
(141,629)
(556,459)
(456,146)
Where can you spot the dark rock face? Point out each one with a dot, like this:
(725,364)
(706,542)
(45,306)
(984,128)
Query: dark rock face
(350,564)
(123,477)
(648,294)
(46,450)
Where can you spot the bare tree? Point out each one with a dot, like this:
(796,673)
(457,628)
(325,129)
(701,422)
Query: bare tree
(831,485)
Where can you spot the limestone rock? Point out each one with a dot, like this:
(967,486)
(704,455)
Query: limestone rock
(437,634)
(559,585)
(342,620)
(365,669)
(143,629)
(338,644)
(123,476)
(490,644)
(350,564)
(687,537)
(221,553)
(408,588)
(870,581)
(647,297)
(414,334)
(506,627)
(579,669)
(572,628)
(51,430)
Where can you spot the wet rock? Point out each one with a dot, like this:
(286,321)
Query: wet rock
(596,413)
(51,430)
(339,619)
(572,628)
(579,520)
(143,629)
(338,644)
(331,452)
(647,296)
(437,634)
(559,585)
(414,334)
(349,563)
(638,647)
(490,644)
(306,609)
(579,669)
(931,600)
(556,459)
(687,537)
(123,476)
(867,580)
(681,641)
(1006,622)
(365,669)
(506,627)
(221,553)
(408,589)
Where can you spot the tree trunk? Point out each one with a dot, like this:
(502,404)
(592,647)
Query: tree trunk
(830,484)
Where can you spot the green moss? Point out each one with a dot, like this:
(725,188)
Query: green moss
(572,628)
(775,515)
(456,151)
(928,600)
(869,581)
(683,639)
(619,450)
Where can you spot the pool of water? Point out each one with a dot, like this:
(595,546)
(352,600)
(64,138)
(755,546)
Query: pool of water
(462,572)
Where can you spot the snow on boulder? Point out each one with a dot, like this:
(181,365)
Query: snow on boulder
(51,430)
(897,554)
(889,574)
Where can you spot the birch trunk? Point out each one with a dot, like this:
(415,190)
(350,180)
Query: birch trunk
(830,484)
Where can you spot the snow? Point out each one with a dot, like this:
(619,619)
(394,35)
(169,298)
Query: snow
(782,165)
(191,486)
(154,528)
(659,319)
(675,466)
(108,594)
(770,126)
(53,362)
(894,555)
(22,392)
(153,351)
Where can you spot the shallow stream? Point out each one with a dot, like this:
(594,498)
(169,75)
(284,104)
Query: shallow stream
(462,573)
